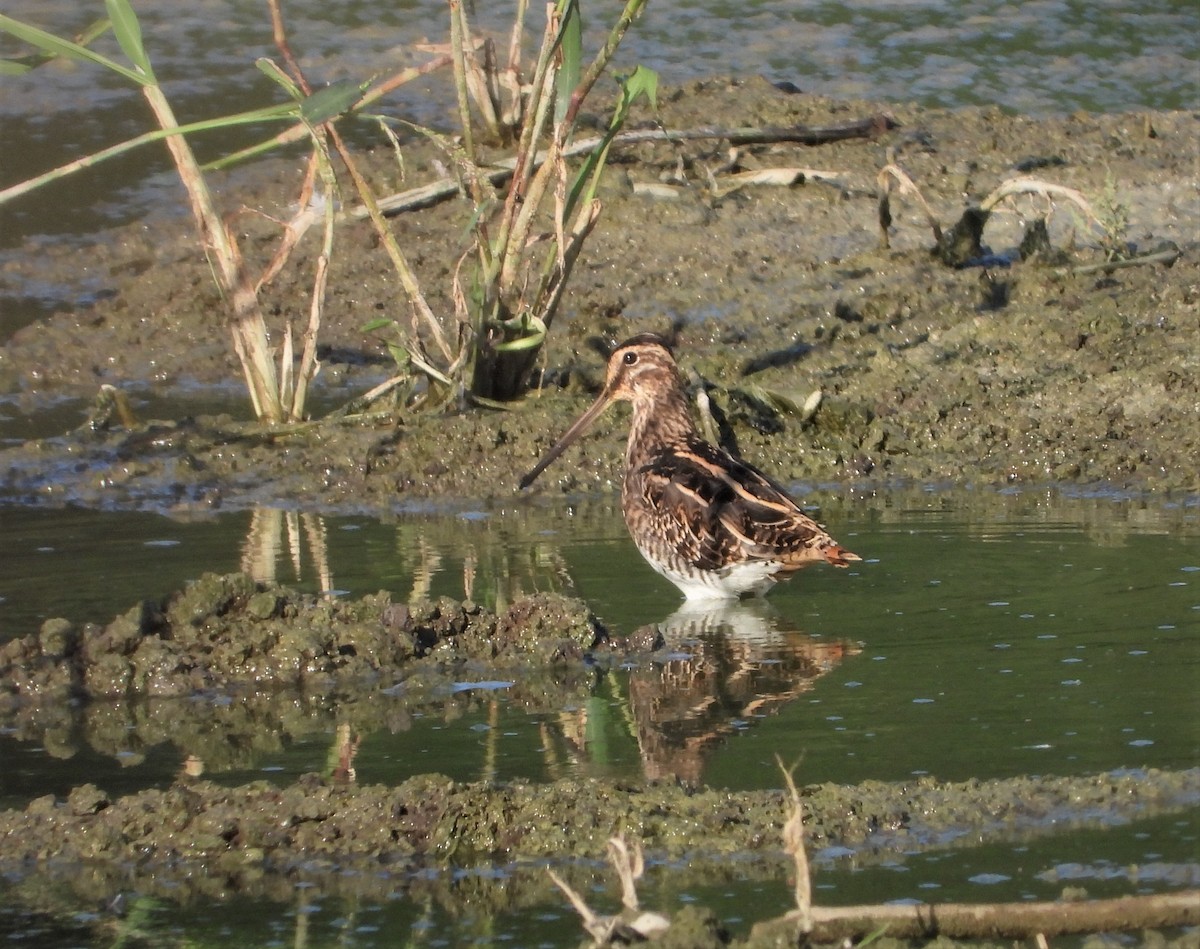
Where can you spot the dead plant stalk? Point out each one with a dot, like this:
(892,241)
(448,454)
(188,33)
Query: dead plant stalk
(250,339)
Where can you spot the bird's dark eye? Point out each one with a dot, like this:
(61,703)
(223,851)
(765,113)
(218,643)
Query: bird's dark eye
(630,358)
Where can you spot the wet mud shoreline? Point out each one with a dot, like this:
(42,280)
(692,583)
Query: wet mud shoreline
(200,839)
(1008,371)
(319,825)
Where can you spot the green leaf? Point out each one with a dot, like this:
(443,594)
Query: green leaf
(641,82)
(332,101)
(531,341)
(377,324)
(269,68)
(9,67)
(128,32)
(57,46)
(570,44)
(399,354)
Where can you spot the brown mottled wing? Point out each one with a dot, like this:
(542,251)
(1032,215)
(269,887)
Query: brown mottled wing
(684,501)
(715,510)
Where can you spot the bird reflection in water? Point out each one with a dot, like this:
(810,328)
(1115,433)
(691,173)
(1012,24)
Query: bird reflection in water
(723,665)
(711,670)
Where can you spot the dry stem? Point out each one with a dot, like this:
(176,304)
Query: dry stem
(892,175)
(632,925)
(249,329)
(793,844)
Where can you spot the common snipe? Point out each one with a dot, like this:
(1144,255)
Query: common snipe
(713,525)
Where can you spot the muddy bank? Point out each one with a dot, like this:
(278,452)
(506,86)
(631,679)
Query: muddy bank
(320,827)
(1010,370)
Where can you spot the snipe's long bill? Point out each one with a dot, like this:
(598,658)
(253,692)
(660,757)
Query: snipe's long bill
(710,523)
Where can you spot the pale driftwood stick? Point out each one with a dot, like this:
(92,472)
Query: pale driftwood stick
(431,194)
(630,925)
(994,920)
(960,920)
(630,864)
(591,921)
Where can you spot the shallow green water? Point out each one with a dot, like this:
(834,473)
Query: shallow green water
(984,635)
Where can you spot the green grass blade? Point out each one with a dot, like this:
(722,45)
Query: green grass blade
(570,44)
(269,68)
(330,102)
(271,113)
(94,31)
(57,46)
(23,64)
(534,327)
(128,32)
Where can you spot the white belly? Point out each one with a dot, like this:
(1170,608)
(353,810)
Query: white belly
(727,583)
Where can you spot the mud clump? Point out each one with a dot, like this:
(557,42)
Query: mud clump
(230,633)
(553,627)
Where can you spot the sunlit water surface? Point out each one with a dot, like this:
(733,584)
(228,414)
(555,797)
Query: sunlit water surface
(984,635)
